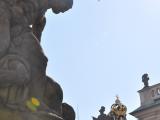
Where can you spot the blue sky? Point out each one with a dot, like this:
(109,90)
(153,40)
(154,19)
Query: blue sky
(97,50)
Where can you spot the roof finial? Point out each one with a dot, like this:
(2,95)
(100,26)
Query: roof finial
(118,109)
(117,96)
(117,100)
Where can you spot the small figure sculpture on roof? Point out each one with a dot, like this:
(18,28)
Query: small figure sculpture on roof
(102,115)
(145,79)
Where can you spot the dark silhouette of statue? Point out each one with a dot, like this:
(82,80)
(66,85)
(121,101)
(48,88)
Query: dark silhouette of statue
(145,79)
(102,115)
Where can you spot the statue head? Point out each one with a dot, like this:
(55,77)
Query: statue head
(102,109)
(60,5)
(145,79)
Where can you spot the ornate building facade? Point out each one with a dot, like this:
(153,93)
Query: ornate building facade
(150,101)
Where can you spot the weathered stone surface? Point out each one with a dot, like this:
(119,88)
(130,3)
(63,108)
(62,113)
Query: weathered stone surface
(150,103)
(68,112)
(26,92)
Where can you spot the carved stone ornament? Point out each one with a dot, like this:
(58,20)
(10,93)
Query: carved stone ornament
(26,92)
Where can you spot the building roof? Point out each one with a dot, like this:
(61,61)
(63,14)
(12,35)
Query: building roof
(145,107)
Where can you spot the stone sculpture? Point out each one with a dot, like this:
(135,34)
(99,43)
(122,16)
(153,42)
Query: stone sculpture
(118,112)
(26,92)
(102,115)
(145,80)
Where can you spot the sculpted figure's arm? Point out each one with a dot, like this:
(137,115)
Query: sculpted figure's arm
(4,29)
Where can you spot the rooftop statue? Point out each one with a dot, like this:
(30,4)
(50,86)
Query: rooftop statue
(26,92)
(117,112)
(145,80)
(102,115)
